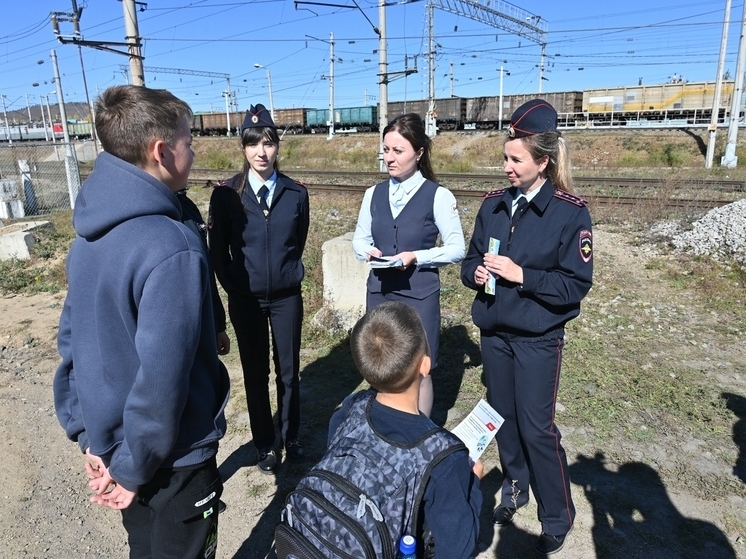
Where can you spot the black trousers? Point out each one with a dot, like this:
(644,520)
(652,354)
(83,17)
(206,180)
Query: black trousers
(522,377)
(175,515)
(252,320)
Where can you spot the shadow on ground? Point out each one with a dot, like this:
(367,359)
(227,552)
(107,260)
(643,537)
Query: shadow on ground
(633,517)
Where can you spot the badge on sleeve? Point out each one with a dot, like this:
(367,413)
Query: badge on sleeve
(585,245)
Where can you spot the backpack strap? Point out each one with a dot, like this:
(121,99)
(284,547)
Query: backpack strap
(455,446)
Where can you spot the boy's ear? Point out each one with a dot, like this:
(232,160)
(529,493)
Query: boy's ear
(425,363)
(157,152)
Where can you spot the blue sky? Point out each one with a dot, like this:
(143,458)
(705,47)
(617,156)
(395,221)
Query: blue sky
(589,45)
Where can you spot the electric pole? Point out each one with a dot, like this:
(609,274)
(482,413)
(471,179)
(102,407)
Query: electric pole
(730,160)
(383,83)
(133,41)
(331,86)
(430,127)
(712,129)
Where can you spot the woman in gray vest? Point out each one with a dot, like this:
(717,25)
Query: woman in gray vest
(397,228)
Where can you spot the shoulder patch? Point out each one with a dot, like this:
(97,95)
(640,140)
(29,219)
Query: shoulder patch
(585,245)
(494,193)
(567,197)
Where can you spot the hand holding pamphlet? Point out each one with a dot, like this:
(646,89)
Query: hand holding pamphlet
(493,248)
(376,262)
(478,429)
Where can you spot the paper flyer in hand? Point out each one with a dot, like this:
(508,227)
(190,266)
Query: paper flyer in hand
(493,248)
(376,262)
(478,429)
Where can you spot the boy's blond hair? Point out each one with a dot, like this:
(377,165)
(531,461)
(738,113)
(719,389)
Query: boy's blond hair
(388,344)
(129,117)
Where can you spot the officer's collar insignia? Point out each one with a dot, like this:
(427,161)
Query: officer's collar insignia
(585,245)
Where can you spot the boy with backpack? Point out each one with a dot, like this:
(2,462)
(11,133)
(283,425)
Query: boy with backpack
(389,470)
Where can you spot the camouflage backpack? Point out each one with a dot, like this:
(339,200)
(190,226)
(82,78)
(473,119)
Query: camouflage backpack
(364,494)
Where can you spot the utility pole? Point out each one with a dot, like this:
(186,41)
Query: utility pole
(500,108)
(71,167)
(541,66)
(133,40)
(43,118)
(714,117)
(5,115)
(451,78)
(227,95)
(383,83)
(430,127)
(331,86)
(28,107)
(730,160)
(49,117)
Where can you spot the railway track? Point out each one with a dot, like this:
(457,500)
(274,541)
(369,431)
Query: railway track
(598,199)
(370,178)
(207,177)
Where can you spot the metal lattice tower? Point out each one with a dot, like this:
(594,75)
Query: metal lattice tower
(500,14)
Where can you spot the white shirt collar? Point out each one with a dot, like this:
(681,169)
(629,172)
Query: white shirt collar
(256,183)
(408,185)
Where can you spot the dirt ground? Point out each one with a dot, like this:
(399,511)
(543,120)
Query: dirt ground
(624,509)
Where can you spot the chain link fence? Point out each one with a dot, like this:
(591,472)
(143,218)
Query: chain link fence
(37,179)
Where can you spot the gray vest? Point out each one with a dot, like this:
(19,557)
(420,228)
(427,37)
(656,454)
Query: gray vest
(413,229)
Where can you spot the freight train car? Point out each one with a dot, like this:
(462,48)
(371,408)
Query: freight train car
(450,112)
(358,119)
(483,113)
(216,124)
(291,121)
(687,102)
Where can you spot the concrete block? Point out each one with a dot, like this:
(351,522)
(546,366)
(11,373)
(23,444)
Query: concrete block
(16,240)
(16,245)
(344,285)
(11,209)
(8,190)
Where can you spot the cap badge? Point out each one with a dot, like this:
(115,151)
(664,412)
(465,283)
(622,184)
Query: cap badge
(254,119)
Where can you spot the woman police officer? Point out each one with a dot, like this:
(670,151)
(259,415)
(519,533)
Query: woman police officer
(258,228)
(542,271)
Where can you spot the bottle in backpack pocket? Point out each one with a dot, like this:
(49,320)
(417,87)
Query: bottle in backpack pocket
(407,548)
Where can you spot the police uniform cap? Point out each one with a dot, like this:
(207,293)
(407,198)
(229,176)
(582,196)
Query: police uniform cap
(258,117)
(531,118)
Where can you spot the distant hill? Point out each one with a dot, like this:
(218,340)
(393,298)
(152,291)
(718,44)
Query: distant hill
(75,111)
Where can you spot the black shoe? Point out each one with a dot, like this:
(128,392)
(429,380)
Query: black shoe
(549,544)
(503,515)
(267,461)
(221,506)
(294,450)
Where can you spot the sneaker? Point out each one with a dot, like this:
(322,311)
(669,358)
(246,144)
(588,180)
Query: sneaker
(267,461)
(294,450)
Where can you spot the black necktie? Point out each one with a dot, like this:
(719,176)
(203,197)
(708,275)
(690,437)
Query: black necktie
(263,191)
(520,208)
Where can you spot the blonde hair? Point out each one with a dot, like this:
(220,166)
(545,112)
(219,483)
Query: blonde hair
(555,147)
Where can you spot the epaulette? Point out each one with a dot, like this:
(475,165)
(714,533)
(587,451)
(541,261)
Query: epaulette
(221,184)
(494,193)
(567,197)
(304,185)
